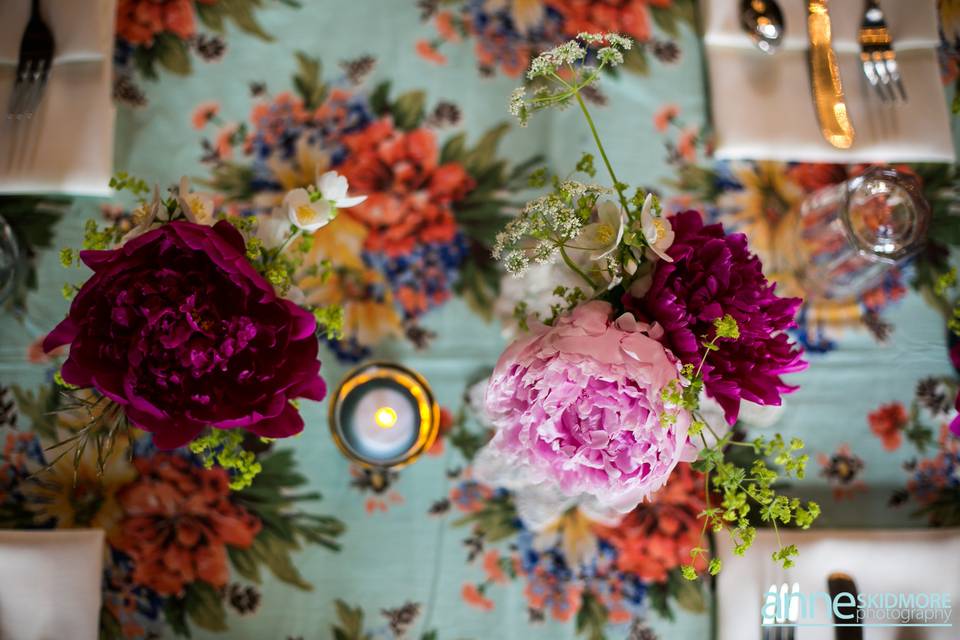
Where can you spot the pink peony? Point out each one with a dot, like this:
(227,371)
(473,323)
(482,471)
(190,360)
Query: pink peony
(579,404)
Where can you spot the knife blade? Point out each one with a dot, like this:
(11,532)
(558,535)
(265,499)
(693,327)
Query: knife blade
(842,583)
(828,99)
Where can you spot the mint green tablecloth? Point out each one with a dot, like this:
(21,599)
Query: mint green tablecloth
(394,552)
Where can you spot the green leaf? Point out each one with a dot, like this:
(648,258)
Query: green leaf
(699,182)
(275,554)
(211,15)
(232,179)
(307,81)
(454,149)
(380,98)
(351,622)
(144,58)
(685,11)
(689,595)
(172,52)
(110,628)
(592,617)
(242,14)
(466,441)
(40,407)
(496,520)
(408,110)
(482,156)
(245,562)
(945,229)
(635,60)
(666,19)
(659,595)
(479,287)
(175,613)
(205,606)
(33,218)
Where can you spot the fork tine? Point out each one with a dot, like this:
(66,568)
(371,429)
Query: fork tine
(890,62)
(30,90)
(881,69)
(39,79)
(15,92)
(20,89)
(870,72)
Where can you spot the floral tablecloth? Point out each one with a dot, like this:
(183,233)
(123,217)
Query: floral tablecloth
(407,99)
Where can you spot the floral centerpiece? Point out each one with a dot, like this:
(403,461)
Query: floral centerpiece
(599,402)
(189,327)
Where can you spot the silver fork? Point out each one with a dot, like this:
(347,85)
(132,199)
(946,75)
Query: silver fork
(782,626)
(877,56)
(33,66)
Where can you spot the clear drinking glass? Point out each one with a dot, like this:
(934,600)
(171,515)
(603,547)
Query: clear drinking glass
(9,260)
(852,233)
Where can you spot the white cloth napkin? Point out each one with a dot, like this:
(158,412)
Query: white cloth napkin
(892,561)
(67,147)
(50,584)
(763,108)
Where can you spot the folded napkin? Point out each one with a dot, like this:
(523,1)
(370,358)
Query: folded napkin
(762,104)
(898,562)
(50,584)
(67,147)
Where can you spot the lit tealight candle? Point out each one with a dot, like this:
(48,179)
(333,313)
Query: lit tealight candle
(383,415)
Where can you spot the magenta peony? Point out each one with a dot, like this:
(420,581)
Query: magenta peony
(712,275)
(579,404)
(179,329)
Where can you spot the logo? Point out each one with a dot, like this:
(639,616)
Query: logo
(790,606)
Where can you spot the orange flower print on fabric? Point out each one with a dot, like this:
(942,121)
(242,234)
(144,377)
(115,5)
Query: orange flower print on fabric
(628,17)
(475,598)
(409,195)
(658,535)
(139,21)
(887,423)
(179,520)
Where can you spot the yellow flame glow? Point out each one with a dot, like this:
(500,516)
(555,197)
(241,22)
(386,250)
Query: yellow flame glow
(385,417)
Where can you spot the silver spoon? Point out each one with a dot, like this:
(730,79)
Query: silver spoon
(763,22)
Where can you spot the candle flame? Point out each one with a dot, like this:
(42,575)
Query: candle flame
(385,417)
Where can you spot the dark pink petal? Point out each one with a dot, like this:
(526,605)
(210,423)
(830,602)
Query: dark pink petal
(287,423)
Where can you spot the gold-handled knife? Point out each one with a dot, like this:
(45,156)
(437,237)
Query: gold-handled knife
(825,83)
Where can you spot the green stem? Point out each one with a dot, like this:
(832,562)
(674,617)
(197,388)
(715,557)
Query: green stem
(576,269)
(285,244)
(603,152)
(707,351)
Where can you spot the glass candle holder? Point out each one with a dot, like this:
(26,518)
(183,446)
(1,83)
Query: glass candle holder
(384,416)
(852,233)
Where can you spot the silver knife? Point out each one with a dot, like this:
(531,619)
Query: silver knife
(842,583)
(828,100)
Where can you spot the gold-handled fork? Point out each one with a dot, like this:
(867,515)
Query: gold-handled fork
(877,56)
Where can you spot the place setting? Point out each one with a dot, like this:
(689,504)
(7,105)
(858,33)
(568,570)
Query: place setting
(473,319)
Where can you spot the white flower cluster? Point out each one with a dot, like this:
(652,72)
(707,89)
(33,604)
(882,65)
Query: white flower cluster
(551,61)
(546,69)
(518,105)
(614,40)
(544,225)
